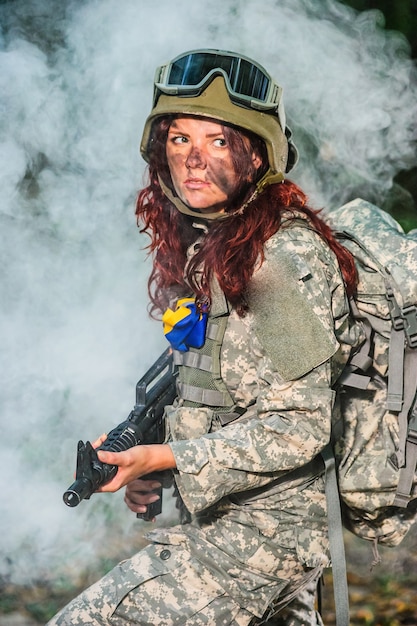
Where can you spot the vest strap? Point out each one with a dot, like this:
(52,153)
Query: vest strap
(208,397)
(194,359)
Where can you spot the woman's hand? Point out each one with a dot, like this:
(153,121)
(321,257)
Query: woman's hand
(136,462)
(139,493)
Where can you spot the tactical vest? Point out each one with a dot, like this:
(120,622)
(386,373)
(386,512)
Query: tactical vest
(199,374)
(285,322)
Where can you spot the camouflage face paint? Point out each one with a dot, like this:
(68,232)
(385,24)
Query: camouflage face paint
(200,164)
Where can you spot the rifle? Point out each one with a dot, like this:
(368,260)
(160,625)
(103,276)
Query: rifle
(144,425)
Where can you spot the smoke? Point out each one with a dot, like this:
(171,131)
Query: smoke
(75,89)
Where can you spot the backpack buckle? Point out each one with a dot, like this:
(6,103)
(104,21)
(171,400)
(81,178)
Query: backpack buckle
(394,310)
(404,318)
(409,315)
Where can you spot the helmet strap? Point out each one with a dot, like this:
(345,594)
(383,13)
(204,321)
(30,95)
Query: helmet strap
(184,208)
(269,178)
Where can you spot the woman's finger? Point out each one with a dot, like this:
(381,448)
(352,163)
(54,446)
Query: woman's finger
(99,441)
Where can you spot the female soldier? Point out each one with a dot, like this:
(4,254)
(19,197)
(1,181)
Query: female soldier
(252,288)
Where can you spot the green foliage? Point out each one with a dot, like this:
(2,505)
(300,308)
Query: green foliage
(8,602)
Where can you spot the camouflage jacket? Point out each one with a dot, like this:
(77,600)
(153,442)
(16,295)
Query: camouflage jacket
(280,360)
(255,485)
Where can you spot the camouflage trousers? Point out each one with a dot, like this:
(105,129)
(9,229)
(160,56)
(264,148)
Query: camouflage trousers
(164,585)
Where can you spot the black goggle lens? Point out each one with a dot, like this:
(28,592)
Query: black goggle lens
(244,77)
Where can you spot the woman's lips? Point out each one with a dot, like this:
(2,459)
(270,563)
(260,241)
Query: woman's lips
(196,183)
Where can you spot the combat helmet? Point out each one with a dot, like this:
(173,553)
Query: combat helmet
(231,88)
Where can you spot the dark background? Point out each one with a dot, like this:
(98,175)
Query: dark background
(399,15)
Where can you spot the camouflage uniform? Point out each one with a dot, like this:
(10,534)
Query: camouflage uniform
(258,535)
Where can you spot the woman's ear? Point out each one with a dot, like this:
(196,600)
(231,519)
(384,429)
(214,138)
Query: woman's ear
(256,160)
(257,163)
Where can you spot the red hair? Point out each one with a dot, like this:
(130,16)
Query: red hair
(240,237)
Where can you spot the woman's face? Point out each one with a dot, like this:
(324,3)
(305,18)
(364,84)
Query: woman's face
(200,164)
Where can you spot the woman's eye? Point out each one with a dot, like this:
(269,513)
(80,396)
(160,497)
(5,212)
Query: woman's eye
(179,139)
(220,142)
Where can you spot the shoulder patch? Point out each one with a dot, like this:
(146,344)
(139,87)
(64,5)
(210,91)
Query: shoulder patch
(287,314)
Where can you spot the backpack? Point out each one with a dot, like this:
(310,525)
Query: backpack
(371,481)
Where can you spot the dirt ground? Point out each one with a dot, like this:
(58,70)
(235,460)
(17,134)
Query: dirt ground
(385,595)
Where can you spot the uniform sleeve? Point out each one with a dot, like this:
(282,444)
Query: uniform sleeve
(291,426)
(290,422)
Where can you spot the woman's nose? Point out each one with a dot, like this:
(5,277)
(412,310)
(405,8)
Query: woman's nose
(195,159)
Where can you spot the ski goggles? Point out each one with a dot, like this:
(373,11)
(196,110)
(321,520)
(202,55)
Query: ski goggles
(247,83)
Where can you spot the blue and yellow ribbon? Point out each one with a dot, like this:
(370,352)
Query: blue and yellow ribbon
(186,326)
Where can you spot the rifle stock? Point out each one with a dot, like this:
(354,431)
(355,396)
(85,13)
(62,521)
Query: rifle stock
(144,425)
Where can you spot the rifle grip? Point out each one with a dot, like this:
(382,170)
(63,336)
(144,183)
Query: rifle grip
(153,509)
